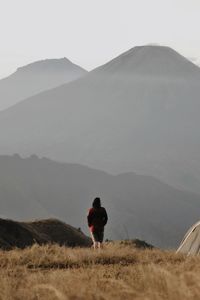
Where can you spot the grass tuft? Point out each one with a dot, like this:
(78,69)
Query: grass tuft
(118,271)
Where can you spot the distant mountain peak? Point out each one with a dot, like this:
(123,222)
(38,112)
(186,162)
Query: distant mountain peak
(150,49)
(37,77)
(154,50)
(152,60)
(46,65)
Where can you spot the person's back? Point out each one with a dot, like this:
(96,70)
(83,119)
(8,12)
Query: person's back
(97,219)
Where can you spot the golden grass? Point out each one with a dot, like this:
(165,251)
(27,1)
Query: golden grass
(116,272)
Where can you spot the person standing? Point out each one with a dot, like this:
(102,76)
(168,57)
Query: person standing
(97,219)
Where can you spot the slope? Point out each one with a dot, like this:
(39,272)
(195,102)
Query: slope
(20,234)
(35,78)
(139,112)
(138,206)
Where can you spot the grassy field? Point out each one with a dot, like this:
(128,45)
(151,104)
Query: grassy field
(116,272)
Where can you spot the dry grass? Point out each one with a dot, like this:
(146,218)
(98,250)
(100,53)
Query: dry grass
(117,272)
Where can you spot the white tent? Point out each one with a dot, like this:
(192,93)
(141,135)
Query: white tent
(191,241)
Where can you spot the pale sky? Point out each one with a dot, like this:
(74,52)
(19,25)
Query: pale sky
(91,32)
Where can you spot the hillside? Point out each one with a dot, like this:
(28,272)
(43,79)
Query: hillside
(138,113)
(138,206)
(23,234)
(35,78)
(118,271)
(150,61)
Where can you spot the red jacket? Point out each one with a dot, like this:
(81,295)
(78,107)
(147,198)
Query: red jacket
(97,219)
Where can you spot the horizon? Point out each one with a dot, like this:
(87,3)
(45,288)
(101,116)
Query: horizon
(71,61)
(92,33)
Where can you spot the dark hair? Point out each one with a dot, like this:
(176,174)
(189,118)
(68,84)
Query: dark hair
(96,203)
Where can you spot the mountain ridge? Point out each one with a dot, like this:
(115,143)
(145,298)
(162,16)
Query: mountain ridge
(145,54)
(115,123)
(49,63)
(49,231)
(35,78)
(138,206)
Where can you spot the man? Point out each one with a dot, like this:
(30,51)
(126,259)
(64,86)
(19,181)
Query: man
(97,219)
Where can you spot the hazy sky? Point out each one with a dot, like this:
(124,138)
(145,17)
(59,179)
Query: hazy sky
(91,32)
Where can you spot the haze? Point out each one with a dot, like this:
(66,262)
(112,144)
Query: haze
(91,32)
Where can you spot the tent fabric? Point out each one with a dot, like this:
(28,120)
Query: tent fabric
(190,244)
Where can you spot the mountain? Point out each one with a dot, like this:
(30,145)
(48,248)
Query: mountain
(22,234)
(139,112)
(35,78)
(138,206)
(152,61)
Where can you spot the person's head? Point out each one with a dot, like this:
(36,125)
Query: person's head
(96,203)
